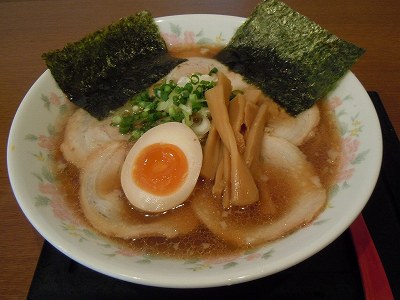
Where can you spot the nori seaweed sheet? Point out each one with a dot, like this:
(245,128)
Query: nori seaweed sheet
(289,57)
(106,68)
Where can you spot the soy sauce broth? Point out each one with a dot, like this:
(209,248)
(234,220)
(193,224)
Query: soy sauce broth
(322,152)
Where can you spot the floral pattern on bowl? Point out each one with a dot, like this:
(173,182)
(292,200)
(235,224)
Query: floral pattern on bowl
(350,126)
(177,37)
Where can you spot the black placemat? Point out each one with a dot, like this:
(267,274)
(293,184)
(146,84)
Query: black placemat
(330,274)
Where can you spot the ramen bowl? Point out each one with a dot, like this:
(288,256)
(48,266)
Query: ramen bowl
(29,156)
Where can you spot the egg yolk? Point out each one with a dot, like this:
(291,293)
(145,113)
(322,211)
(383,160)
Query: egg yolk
(160,169)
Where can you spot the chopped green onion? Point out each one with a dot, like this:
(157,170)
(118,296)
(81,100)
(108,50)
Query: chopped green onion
(167,88)
(194,79)
(188,87)
(135,135)
(213,71)
(192,97)
(185,94)
(168,102)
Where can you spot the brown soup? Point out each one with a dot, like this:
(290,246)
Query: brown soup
(319,150)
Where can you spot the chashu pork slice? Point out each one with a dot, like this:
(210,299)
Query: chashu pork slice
(298,129)
(305,199)
(202,65)
(85,134)
(106,208)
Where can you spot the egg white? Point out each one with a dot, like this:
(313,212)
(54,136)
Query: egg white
(185,139)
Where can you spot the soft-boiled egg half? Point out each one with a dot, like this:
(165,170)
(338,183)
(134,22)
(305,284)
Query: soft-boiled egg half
(162,168)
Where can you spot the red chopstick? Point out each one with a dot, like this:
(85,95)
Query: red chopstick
(375,282)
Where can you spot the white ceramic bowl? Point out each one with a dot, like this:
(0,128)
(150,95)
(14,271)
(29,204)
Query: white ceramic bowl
(32,135)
